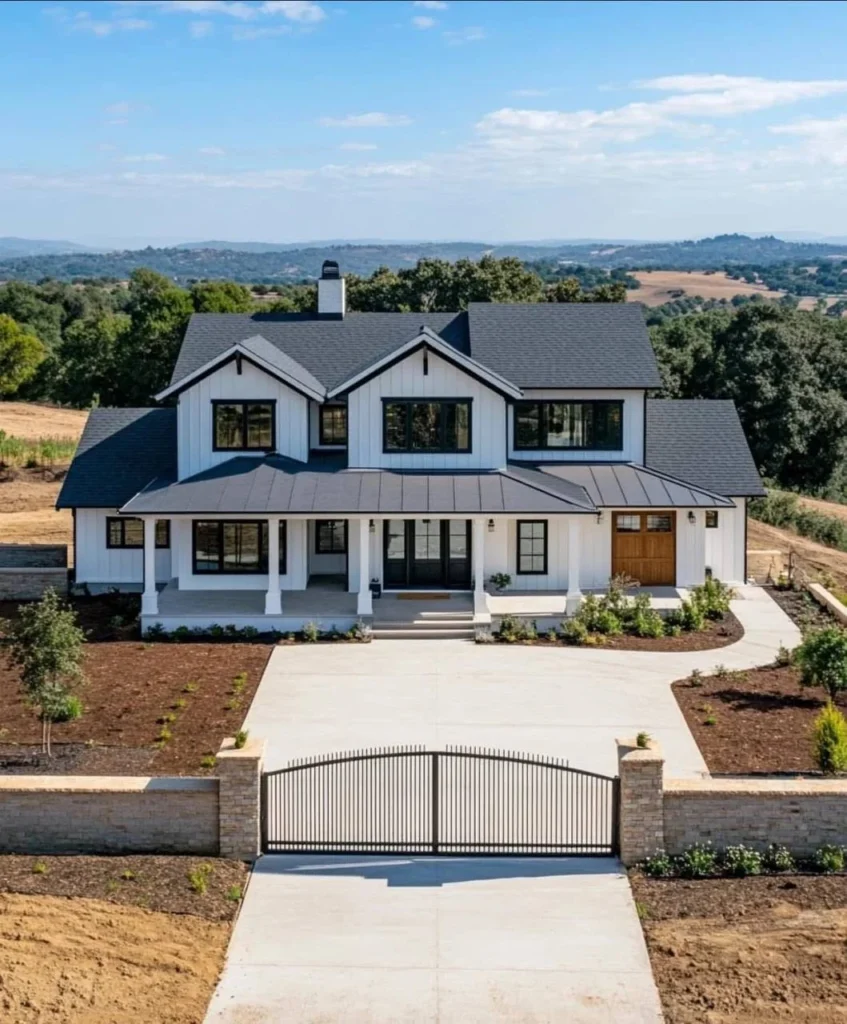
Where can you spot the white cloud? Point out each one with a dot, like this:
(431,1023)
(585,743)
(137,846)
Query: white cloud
(423,22)
(120,109)
(372,120)
(304,11)
(211,151)
(431,5)
(301,11)
(200,29)
(726,96)
(472,34)
(83,21)
(145,158)
(244,32)
(358,147)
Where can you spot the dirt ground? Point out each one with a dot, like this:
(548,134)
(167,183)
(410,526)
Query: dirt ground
(657,285)
(743,951)
(768,549)
(30,421)
(27,508)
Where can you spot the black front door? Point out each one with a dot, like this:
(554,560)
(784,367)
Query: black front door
(427,553)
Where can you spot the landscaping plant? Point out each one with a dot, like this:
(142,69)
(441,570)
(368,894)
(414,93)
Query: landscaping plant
(659,865)
(830,740)
(46,644)
(500,580)
(778,858)
(642,740)
(740,861)
(822,659)
(241,738)
(698,861)
(828,859)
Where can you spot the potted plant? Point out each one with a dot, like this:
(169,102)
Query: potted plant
(500,580)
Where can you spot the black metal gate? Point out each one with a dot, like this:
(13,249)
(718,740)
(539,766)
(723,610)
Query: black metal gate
(462,800)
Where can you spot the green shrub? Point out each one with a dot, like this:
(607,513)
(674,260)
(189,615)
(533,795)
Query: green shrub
(608,623)
(828,859)
(648,623)
(712,597)
(574,631)
(783,657)
(500,580)
(512,629)
(588,612)
(830,740)
(778,858)
(698,861)
(241,738)
(311,632)
(822,659)
(740,861)
(659,865)
(68,709)
(199,878)
(692,618)
(642,740)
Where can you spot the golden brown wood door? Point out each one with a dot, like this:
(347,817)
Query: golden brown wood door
(644,546)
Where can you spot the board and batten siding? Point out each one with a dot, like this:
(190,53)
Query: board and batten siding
(724,548)
(407,379)
(690,547)
(96,563)
(633,427)
(194,416)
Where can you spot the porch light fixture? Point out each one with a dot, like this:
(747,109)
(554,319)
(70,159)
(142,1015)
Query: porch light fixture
(372,526)
(491,526)
(599,518)
(692,518)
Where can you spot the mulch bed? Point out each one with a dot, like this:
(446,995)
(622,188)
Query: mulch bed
(155,883)
(802,609)
(762,720)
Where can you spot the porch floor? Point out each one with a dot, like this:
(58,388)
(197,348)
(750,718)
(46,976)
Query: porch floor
(316,601)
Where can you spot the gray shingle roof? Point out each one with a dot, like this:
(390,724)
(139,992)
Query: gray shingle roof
(703,443)
(247,485)
(532,345)
(628,486)
(121,450)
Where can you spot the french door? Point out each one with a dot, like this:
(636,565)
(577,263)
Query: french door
(427,553)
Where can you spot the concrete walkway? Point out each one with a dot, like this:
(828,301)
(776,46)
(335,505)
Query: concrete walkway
(566,702)
(356,940)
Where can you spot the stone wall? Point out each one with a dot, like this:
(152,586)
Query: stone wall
(33,556)
(27,570)
(66,814)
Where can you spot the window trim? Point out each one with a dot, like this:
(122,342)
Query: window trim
(421,400)
(123,546)
(261,570)
(322,441)
(318,550)
(712,512)
(543,419)
(243,402)
(531,522)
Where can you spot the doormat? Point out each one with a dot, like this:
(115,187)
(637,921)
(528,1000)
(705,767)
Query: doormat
(423,597)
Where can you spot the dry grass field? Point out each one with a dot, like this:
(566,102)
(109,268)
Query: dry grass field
(657,286)
(28,496)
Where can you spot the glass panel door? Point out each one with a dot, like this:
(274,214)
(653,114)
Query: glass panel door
(395,553)
(426,553)
(458,553)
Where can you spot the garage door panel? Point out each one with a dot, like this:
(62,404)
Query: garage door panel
(644,546)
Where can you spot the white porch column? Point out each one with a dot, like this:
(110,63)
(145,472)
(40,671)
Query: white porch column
(273,598)
(364,604)
(150,597)
(480,600)
(574,598)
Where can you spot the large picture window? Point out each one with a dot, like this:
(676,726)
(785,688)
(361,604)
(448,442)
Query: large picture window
(333,424)
(331,537)
(436,425)
(243,426)
(127,532)
(594,425)
(532,547)
(234,547)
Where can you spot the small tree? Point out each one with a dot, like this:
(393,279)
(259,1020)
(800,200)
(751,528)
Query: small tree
(822,659)
(46,645)
(830,740)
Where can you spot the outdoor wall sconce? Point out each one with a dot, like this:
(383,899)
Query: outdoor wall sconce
(599,518)
(491,526)
(372,526)
(692,518)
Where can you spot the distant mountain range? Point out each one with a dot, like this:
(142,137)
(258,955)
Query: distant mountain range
(11,247)
(261,262)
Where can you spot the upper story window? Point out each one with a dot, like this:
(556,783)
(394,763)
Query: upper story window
(572,425)
(333,424)
(127,532)
(243,426)
(435,425)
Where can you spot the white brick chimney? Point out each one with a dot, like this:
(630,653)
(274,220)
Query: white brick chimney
(331,295)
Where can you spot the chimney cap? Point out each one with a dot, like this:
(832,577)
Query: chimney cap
(330,269)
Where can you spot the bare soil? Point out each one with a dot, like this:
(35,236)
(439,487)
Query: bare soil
(132,687)
(30,421)
(747,950)
(768,550)
(657,286)
(27,507)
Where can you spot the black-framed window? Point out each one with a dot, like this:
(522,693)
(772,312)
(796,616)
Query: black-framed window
(532,547)
(128,532)
(426,425)
(595,425)
(243,426)
(331,537)
(333,424)
(234,547)
(711,518)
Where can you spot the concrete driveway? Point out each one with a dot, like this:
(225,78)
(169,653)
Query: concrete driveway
(568,703)
(357,940)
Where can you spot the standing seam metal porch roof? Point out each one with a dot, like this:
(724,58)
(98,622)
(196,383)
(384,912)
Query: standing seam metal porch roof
(624,485)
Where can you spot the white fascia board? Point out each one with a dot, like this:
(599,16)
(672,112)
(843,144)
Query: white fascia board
(438,345)
(250,356)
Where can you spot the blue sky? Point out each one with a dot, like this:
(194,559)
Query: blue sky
(288,120)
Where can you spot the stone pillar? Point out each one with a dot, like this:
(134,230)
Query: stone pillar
(480,601)
(574,597)
(273,598)
(642,816)
(150,596)
(364,603)
(239,798)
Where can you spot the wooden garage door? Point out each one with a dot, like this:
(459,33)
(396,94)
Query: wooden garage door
(644,546)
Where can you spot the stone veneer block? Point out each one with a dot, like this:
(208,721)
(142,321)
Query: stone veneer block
(240,778)
(642,825)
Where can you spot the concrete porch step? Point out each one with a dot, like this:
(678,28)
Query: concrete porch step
(425,625)
(409,632)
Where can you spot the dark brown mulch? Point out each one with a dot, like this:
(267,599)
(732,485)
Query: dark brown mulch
(802,608)
(155,883)
(762,719)
(131,686)
(76,759)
